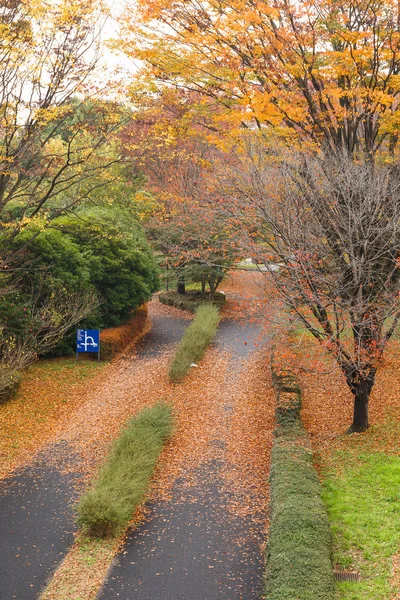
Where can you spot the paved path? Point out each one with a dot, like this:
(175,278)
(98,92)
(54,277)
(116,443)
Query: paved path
(192,547)
(37,525)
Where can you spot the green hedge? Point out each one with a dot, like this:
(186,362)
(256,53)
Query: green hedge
(123,481)
(195,341)
(299,541)
(190,301)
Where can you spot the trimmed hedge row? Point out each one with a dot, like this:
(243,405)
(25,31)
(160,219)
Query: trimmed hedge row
(122,483)
(299,542)
(190,301)
(116,339)
(197,337)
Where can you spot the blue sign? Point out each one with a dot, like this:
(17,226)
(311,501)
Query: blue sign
(88,340)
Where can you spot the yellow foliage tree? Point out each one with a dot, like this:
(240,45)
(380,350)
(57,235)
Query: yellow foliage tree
(317,70)
(52,138)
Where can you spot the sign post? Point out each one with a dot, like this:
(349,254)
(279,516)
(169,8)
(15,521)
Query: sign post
(88,340)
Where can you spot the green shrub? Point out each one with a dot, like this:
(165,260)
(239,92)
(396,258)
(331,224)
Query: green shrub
(190,301)
(122,483)
(101,250)
(195,341)
(121,265)
(299,541)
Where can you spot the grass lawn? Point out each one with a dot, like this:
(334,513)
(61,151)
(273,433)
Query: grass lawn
(361,490)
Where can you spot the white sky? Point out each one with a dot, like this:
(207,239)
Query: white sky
(115,59)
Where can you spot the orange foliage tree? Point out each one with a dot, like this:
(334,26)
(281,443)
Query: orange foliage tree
(168,140)
(317,69)
(323,77)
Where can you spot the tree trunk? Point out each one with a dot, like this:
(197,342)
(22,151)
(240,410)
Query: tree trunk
(180,287)
(360,415)
(203,287)
(211,283)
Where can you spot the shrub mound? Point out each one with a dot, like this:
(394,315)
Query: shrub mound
(195,341)
(115,340)
(122,483)
(299,542)
(191,300)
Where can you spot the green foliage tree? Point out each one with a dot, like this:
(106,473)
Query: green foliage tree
(120,262)
(99,254)
(101,250)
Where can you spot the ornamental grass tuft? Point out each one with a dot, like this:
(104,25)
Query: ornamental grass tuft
(198,335)
(122,483)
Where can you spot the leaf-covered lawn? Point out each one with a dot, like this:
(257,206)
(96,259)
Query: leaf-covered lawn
(50,389)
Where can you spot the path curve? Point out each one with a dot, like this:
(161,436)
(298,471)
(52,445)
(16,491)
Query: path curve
(41,535)
(36,502)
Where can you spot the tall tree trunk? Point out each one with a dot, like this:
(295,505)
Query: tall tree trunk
(361,398)
(203,287)
(180,286)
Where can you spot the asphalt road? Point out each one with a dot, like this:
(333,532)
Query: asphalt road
(36,525)
(192,548)
(185,552)
(36,503)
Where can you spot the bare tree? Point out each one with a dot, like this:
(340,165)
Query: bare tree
(333,226)
(49,144)
(48,321)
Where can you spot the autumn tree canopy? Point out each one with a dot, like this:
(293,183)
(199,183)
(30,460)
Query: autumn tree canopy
(169,140)
(315,70)
(316,84)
